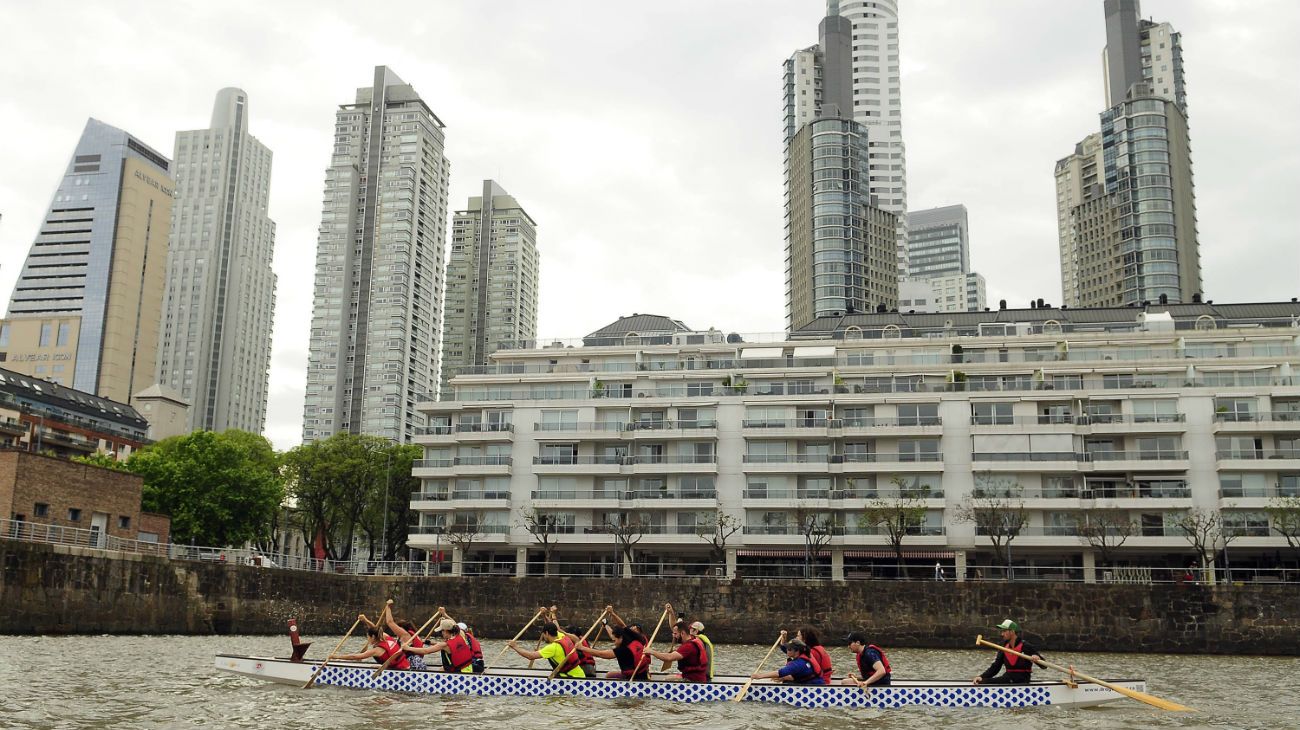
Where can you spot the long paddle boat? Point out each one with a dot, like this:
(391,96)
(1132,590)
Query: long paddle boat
(537,683)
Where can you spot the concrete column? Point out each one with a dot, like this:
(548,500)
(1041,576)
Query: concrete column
(1089,566)
(837,565)
(731,562)
(959,565)
(521,562)
(456,558)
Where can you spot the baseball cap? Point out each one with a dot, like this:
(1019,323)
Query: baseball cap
(856,636)
(462,626)
(1008,625)
(795,645)
(446,625)
(697,626)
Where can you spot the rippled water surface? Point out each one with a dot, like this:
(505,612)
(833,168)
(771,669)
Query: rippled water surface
(169,681)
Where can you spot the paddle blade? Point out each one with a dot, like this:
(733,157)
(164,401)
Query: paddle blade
(1151,699)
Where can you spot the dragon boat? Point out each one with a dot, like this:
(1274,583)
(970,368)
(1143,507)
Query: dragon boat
(536,683)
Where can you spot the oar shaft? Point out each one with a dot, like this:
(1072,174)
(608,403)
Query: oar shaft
(649,659)
(1041,661)
(337,646)
(506,648)
(594,624)
(406,644)
(745,690)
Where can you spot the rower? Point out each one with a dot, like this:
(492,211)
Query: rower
(800,667)
(808,635)
(628,649)
(380,646)
(405,632)
(474,646)
(560,650)
(691,655)
(1018,669)
(457,656)
(873,665)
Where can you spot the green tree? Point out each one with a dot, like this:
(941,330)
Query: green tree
(897,514)
(339,487)
(219,488)
(102,459)
(1284,519)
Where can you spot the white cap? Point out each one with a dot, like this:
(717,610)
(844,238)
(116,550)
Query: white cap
(462,626)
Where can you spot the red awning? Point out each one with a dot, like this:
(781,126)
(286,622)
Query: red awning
(918,554)
(776,553)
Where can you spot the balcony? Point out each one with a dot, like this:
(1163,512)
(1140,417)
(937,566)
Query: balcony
(576,498)
(670,429)
(484,431)
(1033,460)
(461,465)
(1139,459)
(1255,459)
(575,464)
(1257,422)
(1272,491)
(13,426)
(788,427)
(444,499)
(911,531)
(673,463)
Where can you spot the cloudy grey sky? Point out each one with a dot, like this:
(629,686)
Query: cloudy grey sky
(645,137)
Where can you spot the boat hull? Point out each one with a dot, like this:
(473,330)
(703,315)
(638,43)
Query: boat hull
(534,683)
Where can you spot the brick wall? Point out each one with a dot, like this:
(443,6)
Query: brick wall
(54,588)
(159,525)
(63,485)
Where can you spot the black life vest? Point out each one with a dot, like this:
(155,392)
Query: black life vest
(1018,665)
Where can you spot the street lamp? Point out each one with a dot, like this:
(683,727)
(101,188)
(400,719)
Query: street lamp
(388,487)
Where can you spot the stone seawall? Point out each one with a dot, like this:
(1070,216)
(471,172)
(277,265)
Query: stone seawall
(62,589)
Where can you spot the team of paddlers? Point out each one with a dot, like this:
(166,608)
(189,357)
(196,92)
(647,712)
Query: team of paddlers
(399,644)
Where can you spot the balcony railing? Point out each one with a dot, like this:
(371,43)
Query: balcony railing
(454,494)
(485,427)
(1258,417)
(788,458)
(901,421)
(1267,492)
(573,460)
(1028,456)
(913,530)
(458,528)
(481,461)
(1249,454)
(1151,455)
(669,425)
(614,426)
(791,423)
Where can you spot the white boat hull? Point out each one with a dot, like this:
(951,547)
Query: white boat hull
(534,683)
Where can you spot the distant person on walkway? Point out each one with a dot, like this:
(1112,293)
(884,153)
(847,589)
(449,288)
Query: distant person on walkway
(808,635)
(379,647)
(800,667)
(1018,669)
(873,665)
(938,571)
(559,649)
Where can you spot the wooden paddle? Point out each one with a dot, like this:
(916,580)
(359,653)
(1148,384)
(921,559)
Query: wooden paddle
(745,690)
(338,646)
(506,648)
(646,651)
(407,644)
(672,621)
(577,644)
(1131,693)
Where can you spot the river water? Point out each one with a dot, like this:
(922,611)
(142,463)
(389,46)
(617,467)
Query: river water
(169,682)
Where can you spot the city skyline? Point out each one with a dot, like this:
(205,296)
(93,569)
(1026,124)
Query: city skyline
(995,92)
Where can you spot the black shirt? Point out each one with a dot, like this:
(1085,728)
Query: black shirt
(1022,665)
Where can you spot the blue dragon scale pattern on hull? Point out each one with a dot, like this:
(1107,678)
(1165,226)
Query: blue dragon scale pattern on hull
(813,697)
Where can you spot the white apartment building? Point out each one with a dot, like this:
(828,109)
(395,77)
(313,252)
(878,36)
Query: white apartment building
(215,347)
(955,293)
(1069,415)
(377,304)
(492,279)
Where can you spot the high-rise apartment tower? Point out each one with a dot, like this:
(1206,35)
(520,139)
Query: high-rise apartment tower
(855,66)
(376,307)
(491,281)
(1126,208)
(85,311)
(220,301)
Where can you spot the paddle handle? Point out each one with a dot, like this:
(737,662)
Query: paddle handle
(506,648)
(745,689)
(337,646)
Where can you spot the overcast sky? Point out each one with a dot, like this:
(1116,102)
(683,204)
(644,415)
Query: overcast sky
(645,137)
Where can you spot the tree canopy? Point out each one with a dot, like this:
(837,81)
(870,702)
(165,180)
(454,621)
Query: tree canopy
(218,488)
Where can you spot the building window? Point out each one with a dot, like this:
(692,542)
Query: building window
(41,510)
(64,330)
(124,522)
(46,330)
(74,514)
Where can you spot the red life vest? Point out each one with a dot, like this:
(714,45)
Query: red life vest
(391,646)
(699,665)
(570,655)
(474,646)
(458,653)
(867,671)
(1015,663)
(823,660)
(586,660)
(813,664)
(416,643)
(630,657)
